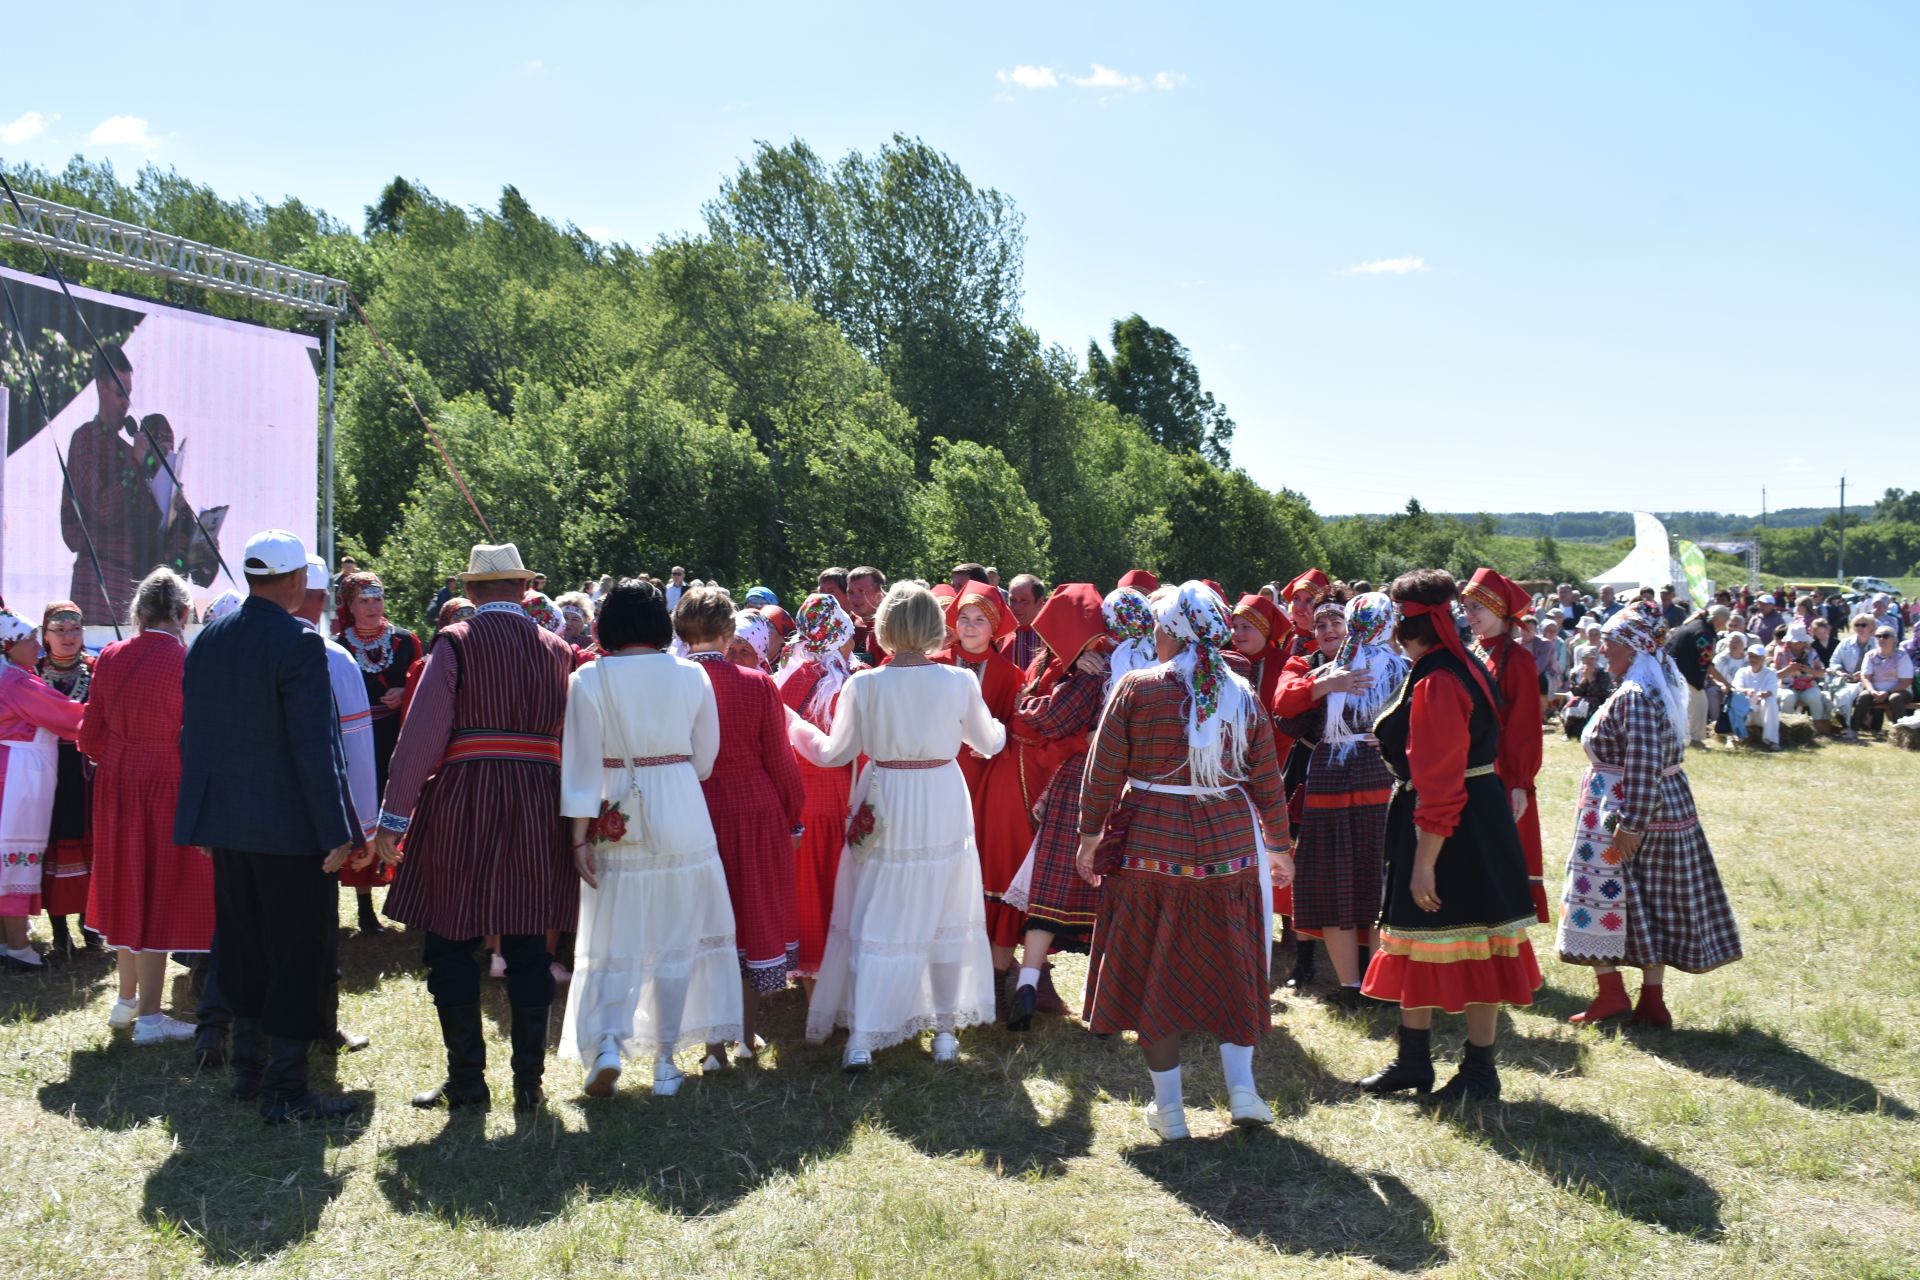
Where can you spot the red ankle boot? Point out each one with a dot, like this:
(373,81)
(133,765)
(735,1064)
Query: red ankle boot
(1652,1009)
(1610,1002)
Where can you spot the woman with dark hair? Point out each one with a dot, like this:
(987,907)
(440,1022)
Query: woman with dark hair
(150,896)
(33,717)
(755,799)
(655,966)
(1453,920)
(67,668)
(385,654)
(1181,784)
(1495,608)
(453,609)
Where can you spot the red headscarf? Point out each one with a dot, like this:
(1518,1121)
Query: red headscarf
(1442,615)
(992,602)
(1499,594)
(782,620)
(1140,580)
(1312,579)
(1271,623)
(1068,622)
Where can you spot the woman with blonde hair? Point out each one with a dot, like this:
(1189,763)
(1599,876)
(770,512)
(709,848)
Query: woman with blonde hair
(907,951)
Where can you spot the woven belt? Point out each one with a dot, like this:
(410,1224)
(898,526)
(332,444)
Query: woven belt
(497,744)
(1480,771)
(910,764)
(643,762)
(1189,870)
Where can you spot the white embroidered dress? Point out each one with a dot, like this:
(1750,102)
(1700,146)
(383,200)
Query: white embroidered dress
(654,964)
(907,949)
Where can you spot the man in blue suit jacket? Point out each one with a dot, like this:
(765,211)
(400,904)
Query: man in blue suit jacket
(263,785)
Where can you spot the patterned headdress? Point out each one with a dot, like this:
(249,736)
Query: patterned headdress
(752,626)
(1216,696)
(13,628)
(990,600)
(60,611)
(1640,627)
(1370,620)
(1130,626)
(222,605)
(1264,616)
(540,608)
(1499,594)
(352,587)
(821,628)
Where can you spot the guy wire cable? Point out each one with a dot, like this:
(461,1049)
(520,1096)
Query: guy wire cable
(100,354)
(13,327)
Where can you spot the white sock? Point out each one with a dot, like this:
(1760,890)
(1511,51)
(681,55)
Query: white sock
(1029,977)
(1236,1063)
(152,1019)
(1354,985)
(1167,1095)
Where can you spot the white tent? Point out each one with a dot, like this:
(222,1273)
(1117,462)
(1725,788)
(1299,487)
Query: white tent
(1649,564)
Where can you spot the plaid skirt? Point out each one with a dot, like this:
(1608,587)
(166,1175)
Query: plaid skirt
(1341,851)
(1173,954)
(1059,900)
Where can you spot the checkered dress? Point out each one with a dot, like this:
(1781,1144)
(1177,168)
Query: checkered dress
(1676,910)
(1059,899)
(1180,943)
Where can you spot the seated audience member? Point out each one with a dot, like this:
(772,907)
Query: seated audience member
(1800,671)
(1886,684)
(1592,684)
(1756,691)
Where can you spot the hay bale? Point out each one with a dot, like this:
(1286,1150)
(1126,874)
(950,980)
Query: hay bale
(1796,730)
(1904,736)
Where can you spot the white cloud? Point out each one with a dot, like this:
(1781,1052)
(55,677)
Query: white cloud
(1025,77)
(26,128)
(122,131)
(534,64)
(1388,267)
(1104,80)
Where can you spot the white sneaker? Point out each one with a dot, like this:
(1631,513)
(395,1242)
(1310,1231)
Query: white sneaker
(1248,1107)
(745,1052)
(26,957)
(946,1047)
(158,1028)
(124,1012)
(855,1060)
(711,1063)
(667,1078)
(604,1074)
(1171,1126)
(497,967)
(561,974)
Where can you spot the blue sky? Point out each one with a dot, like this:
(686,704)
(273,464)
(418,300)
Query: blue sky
(1530,256)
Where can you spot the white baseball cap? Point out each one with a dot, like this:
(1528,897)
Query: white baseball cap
(274,551)
(318,579)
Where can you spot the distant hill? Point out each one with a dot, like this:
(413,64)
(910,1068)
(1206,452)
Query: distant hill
(1605,526)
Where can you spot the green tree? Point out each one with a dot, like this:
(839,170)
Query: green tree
(974,507)
(1152,377)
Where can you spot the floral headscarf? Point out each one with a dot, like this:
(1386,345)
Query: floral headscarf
(752,626)
(13,628)
(222,605)
(1370,619)
(1640,627)
(539,607)
(821,629)
(1216,697)
(1130,626)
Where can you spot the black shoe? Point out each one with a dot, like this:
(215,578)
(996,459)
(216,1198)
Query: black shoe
(249,1058)
(308,1106)
(1478,1080)
(1303,963)
(210,1049)
(370,921)
(466,1083)
(1412,1069)
(1020,1011)
(528,1099)
(284,1092)
(529,1035)
(1348,999)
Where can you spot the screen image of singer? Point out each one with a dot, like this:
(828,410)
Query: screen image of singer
(245,396)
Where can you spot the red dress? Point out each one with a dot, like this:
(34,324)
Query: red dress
(817,860)
(1517,677)
(148,893)
(1293,698)
(1049,750)
(1003,831)
(755,798)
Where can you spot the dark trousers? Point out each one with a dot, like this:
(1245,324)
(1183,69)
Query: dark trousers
(215,1015)
(453,970)
(275,920)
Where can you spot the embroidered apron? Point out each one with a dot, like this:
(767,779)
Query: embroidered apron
(26,810)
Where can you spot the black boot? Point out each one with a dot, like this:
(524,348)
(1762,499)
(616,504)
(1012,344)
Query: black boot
(1366,959)
(529,1055)
(1412,1069)
(284,1093)
(62,940)
(1478,1080)
(1348,999)
(1020,1009)
(370,921)
(466,1082)
(1302,975)
(249,1058)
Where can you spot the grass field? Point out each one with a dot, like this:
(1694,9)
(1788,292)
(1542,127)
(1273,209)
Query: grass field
(1771,1132)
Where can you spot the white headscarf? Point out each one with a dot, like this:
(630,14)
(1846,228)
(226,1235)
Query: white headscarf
(1217,698)
(1130,624)
(752,626)
(1370,619)
(1653,673)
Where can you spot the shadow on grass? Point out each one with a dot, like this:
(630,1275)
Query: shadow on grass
(71,980)
(1589,1157)
(1760,1058)
(1284,1194)
(242,1189)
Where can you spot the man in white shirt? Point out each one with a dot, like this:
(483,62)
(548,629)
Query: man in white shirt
(676,587)
(1756,691)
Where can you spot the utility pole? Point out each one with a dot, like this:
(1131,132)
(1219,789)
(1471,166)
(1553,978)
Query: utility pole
(1841,571)
(1763,506)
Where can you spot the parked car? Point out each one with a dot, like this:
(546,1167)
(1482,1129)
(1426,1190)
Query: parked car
(1872,586)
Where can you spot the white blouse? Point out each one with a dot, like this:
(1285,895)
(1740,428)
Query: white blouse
(903,713)
(665,706)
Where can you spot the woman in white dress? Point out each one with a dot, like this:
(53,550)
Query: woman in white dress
(654,968)
(907,949)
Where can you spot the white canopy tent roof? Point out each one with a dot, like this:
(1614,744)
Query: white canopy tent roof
(1649,564)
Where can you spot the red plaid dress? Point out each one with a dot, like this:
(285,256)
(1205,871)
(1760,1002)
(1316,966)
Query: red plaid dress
(755,798)
(1047,724)
(1180,943)
(817,860)
(147,893)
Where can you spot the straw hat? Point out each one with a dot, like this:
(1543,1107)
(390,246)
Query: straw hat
(495,564)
